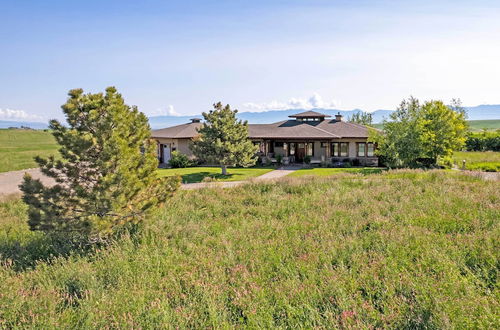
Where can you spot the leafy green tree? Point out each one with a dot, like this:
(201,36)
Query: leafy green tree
(363,118)
(418,134)
(224,140)
(443,129)
(106,177)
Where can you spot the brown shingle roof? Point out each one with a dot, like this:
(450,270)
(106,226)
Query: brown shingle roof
(326,129)
(184,131)
(309,114)
(288,129)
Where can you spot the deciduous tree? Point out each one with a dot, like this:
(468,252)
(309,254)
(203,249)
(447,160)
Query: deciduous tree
(363,118)
(418,134)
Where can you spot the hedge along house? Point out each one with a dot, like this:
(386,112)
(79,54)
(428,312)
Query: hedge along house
(307,135)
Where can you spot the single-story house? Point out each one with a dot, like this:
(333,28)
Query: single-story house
(307,134)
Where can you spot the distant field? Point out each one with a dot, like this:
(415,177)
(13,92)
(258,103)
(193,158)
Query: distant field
(479,125)
(18,147)
(474,125)
(396,250)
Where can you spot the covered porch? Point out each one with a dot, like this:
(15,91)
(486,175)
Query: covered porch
(317,151)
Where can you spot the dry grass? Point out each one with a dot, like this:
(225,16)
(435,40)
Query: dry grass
(402,249)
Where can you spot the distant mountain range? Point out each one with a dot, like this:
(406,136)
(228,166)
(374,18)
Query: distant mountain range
(34,125)
(480,112)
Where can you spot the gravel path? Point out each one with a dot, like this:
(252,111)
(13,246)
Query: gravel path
(9,181)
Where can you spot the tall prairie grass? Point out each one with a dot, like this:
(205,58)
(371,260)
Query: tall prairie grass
(402,249)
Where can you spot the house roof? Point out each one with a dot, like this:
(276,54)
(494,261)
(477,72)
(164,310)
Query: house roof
(309,114)
(184,131)
(287,129)
(326,129)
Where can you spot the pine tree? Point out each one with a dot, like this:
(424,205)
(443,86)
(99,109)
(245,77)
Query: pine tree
(106,175)
(224,140)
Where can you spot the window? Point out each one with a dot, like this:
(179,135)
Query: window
(278,144)
(361,149)
(344,149)
(335,149)
(324,144)
(310,149)
(292,149)
(370,150)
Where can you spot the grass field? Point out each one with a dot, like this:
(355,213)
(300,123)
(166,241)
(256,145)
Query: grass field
(474,125)
(18,147)
(401,249)
(197,174)
(478,160)
(332,171)
(479,125)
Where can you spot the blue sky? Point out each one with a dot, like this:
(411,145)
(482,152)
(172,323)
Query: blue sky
(179,57)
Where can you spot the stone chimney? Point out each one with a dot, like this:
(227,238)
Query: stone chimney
(338,117)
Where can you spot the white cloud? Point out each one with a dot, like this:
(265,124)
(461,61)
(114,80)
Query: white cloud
(314,101)
(165,111)
(16,115)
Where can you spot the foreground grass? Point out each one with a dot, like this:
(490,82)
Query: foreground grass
(403,249)
(197,174)
(331,171)
(19,147)
(478,160)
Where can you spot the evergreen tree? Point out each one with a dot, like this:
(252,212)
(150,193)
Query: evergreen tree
(224,140)
(106,177)
(363,118)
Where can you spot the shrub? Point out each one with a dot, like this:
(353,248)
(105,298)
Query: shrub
(179,160)
(446,162)
(483,141)
(307,159)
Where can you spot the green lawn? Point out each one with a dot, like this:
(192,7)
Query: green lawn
(18,147)
(396,250)
(197,174)
(331,171)
(478,160)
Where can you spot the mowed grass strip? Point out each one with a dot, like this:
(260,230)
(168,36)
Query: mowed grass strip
(402,249)
(19,147)
(197,174)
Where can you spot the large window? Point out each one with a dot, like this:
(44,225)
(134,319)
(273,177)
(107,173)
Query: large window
(292,149)
(335,149)
(370,149)
(361,149)
(344,149)
(310,149)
